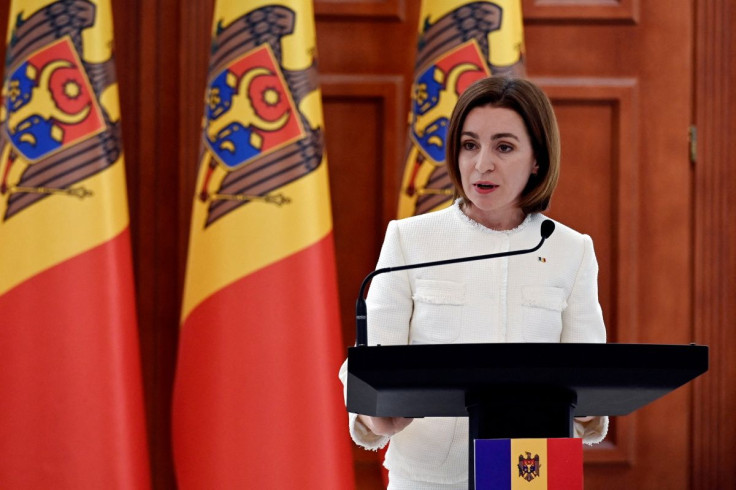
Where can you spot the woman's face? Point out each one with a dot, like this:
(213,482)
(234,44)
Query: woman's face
(495,160)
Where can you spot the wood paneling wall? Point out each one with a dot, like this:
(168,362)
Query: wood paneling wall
(714,260)
(656,219)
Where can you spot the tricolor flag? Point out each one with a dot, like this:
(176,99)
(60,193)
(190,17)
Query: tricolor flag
(459,42)
(71,401)
(257,402)
(529,464)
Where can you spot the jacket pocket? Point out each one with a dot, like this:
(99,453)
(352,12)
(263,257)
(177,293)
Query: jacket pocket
(542,308)
(437,311)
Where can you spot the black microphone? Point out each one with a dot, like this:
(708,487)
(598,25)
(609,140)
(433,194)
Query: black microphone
(361,314)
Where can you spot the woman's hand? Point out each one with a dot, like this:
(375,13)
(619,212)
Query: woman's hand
(385,426)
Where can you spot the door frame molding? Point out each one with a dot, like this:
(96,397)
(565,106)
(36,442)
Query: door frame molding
(714,239)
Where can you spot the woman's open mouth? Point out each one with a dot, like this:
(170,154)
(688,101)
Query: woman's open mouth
(485,187)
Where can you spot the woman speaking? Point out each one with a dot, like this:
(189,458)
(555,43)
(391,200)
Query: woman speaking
(503,156)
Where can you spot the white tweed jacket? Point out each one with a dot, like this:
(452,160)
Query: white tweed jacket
(548,296)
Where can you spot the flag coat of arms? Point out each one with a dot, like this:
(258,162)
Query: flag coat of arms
(459,42)
(257,400)
(71,401)
(529,464)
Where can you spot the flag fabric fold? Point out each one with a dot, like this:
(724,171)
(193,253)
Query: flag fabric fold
(459,42)
(71,397)
(257,402)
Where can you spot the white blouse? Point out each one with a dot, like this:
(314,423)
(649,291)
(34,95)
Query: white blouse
(550,295)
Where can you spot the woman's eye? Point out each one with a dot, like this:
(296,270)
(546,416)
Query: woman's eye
(468,145)
(504,148)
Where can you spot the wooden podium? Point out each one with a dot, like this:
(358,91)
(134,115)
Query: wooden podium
(516,390)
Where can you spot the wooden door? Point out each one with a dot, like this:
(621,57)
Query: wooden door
(618,74)
(617,79)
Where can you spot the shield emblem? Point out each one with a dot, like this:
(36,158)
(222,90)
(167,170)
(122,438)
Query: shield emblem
(435,94)
(529,466)
(250,112)
(50,103)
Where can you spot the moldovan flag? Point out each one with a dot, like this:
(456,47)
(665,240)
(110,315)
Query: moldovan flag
(529,464)
(257,402)
(459,42)
(71,401)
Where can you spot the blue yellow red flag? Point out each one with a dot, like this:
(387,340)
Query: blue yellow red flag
(71,401)
(529,464)
(257,403)
(459,41)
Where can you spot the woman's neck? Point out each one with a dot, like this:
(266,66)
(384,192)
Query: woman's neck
(500,221)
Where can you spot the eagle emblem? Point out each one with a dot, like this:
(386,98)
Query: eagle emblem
(529,467)
(54,132)
(255,140)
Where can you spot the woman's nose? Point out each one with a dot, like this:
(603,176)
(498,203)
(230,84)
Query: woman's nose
(486,162)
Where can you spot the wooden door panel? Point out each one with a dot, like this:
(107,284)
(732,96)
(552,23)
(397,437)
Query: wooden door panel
(598,173)
(585,11)
(597,194)
(362,127)
(371,9)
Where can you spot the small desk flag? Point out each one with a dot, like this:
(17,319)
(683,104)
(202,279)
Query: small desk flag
(529,464)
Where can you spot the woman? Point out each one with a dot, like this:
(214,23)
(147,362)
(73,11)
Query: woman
(503,156)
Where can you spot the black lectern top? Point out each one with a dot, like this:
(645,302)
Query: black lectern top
(435,380)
